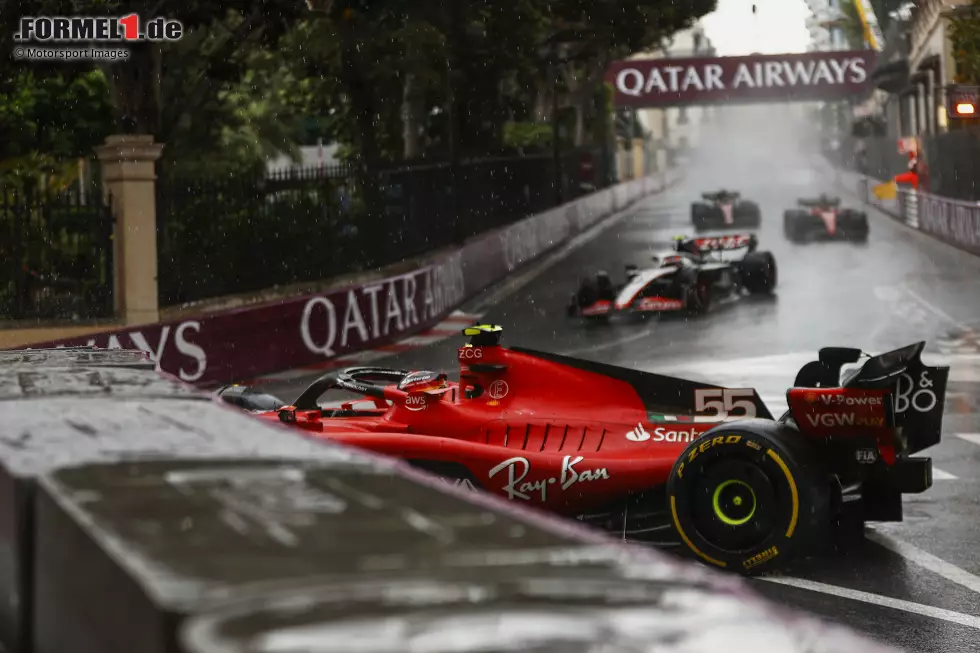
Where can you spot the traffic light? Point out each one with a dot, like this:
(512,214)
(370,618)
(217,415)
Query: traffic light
(962,102)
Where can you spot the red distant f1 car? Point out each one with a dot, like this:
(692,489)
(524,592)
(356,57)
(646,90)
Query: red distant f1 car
(822,218)
(690,278)
(725,209)
(647,455)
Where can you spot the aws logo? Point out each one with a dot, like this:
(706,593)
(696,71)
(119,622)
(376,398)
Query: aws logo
(415,402)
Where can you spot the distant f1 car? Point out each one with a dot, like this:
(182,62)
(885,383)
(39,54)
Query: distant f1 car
(641,453)
(689,278)
(822,218)
(725,209)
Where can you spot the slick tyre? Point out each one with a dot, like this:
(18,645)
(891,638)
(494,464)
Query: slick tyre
(861,228)
(750,215)
(699,217)
(747,496)
(759,273)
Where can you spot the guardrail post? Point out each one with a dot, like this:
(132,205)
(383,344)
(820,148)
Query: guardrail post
(129,177)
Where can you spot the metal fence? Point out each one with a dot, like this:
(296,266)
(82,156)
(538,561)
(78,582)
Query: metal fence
(56,253)
(229,235)
(952,162)
(953,165)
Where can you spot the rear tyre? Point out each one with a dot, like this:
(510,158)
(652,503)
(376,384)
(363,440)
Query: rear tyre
(759,273)
(748,496)
(750,215)
(792,227)
(699,216)
(861,228)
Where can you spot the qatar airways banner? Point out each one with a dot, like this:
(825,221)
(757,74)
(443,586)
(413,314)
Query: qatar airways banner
(757,78)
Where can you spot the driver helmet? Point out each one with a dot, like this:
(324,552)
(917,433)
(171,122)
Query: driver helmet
(423,381)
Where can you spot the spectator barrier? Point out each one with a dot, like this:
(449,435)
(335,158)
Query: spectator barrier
(142,516)
(243,343)
(955,222)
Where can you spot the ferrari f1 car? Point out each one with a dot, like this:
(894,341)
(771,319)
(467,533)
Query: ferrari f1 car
(689,278)
(822,218)
(647,455)
(725,209)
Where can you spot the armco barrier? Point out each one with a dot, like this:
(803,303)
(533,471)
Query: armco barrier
(954,222)
(148,519)
(246,342)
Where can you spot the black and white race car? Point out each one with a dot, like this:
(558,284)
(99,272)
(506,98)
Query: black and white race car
(822,218)
(725,209)
(689,278)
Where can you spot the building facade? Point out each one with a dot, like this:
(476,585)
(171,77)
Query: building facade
(671,131)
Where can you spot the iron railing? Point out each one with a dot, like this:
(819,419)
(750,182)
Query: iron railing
(56,253)
(221,236)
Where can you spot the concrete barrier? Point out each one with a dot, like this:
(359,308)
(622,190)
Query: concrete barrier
(243,343)
(151,519)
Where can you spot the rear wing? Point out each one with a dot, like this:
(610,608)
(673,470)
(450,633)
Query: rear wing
(917,391)
(811,202)
(725,243)
(721,194)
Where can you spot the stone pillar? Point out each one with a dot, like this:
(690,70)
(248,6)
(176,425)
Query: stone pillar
(129,177)
(639,159)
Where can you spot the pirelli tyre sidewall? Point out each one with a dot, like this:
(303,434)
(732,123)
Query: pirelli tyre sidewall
(745,496)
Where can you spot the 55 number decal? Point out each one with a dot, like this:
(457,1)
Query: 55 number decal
(719,404)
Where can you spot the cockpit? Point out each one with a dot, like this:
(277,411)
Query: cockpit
(675,260)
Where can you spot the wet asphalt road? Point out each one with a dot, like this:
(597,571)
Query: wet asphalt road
(915,585)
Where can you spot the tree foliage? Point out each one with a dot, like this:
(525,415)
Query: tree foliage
(387,79)
(965,38)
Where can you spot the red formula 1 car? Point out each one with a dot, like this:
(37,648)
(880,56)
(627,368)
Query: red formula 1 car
(696,274)
(725,209)
(823,218)
(652,457)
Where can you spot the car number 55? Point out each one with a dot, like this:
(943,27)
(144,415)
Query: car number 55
(720,403)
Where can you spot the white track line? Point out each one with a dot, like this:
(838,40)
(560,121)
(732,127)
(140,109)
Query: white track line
(876,599)
(935,309)
(970,437)
(940,475)
(926,560)
(608,344)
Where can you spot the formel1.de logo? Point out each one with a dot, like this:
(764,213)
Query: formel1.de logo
(97,29)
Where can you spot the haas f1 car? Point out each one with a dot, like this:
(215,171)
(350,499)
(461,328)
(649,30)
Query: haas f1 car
(725,209)
(690,278)
(822,218)
(647,455)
